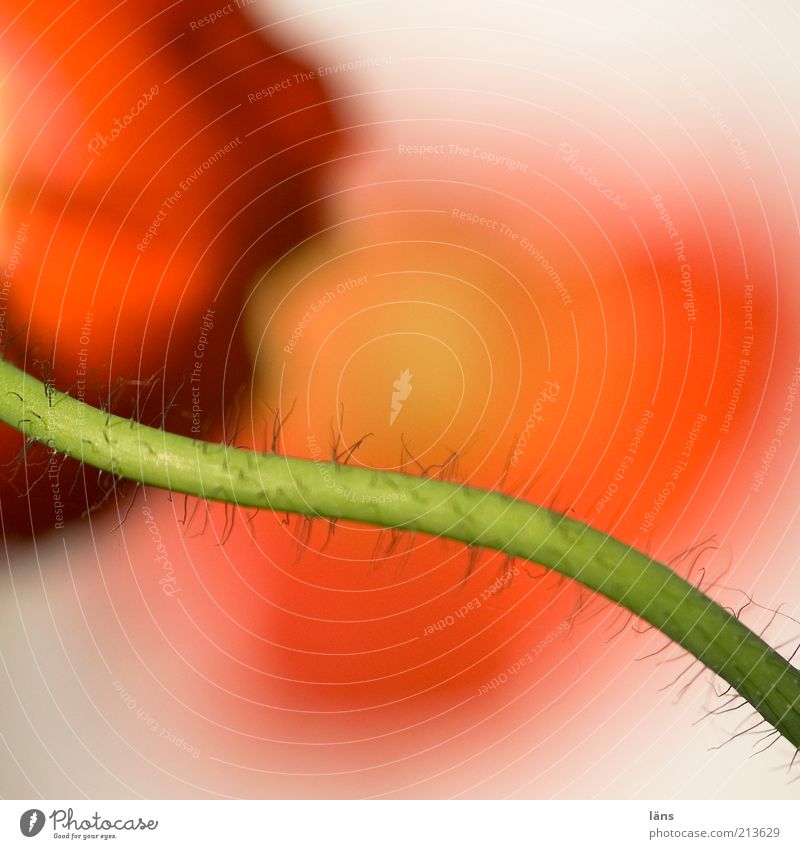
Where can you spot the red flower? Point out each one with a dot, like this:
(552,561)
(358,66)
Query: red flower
(155,160)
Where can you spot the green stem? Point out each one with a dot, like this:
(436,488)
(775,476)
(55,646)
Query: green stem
(473,516)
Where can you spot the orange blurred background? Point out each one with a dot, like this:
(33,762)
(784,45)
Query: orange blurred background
(578,238)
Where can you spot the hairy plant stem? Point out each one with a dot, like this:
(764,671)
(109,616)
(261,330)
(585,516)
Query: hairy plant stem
(473,516)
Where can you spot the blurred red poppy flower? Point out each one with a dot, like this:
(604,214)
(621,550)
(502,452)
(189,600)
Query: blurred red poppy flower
(154,159)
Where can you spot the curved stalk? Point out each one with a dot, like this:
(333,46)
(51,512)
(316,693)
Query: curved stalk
(470,515)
